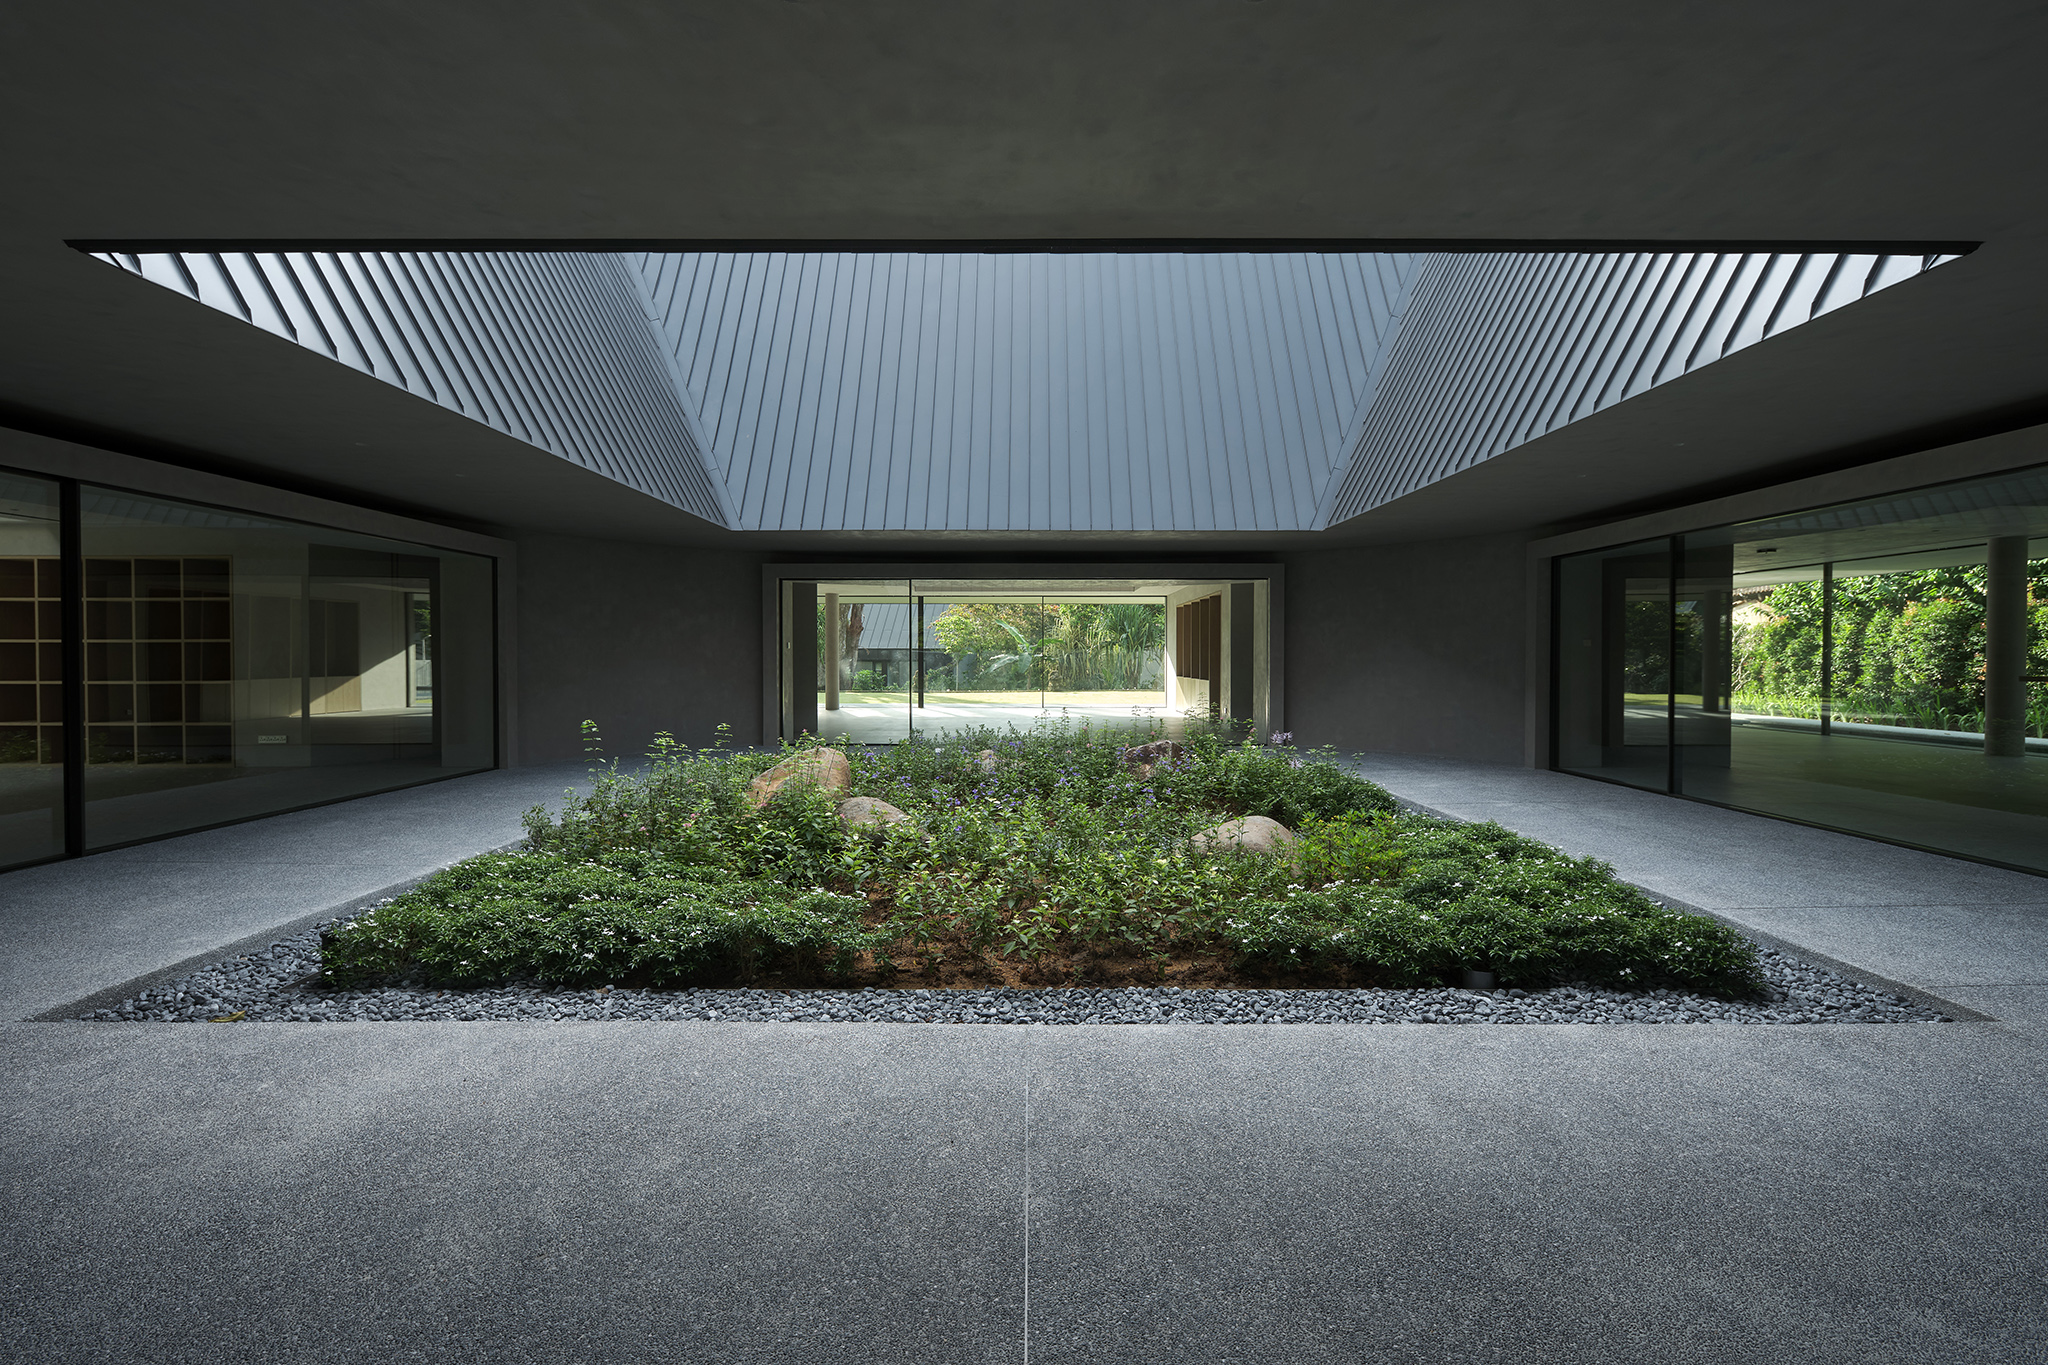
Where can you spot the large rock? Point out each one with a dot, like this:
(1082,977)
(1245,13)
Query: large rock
(1252,834)
(866,815)
(988,760)
(826,769)
(1144,759)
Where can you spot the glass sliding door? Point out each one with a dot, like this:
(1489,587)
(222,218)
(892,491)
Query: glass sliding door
(865,660)
(32,671)
(988,659)
(1861,703)
(1701,662)
(236,666)
(166,666)
(1003,658)
(1614,664)
(1877,667)
(873,660)
(1106,661)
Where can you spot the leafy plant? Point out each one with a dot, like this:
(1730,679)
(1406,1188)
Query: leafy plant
(1908,650)
(1027,858)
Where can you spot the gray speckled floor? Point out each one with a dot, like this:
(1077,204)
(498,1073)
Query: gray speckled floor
(797,1193)
(1969,933)
(69,929)
(790,1192)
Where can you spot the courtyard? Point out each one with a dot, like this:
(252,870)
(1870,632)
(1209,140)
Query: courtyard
(1616,442)
(798,1192)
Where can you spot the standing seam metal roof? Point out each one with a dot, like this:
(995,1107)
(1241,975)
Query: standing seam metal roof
(1031,392)
(550,347)
(1500,349)
(848,391)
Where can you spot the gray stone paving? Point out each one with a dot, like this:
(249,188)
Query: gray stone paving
(809,1192)
(70,929)
(1966,932)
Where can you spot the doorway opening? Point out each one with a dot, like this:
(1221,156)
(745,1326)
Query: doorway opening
(877,660)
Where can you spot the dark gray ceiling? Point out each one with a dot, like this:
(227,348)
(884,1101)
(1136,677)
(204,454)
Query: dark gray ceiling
(839,121)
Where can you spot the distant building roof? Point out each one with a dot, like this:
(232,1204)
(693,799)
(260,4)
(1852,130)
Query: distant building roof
(886,625)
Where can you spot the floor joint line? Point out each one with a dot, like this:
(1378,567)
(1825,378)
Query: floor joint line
(1027,1217)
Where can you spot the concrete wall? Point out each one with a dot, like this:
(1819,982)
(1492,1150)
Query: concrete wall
(1410,648)
(640,639)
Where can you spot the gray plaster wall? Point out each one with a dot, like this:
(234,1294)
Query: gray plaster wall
(1410,648)
(639,638)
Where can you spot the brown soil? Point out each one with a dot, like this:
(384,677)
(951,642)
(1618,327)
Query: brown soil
(955,966)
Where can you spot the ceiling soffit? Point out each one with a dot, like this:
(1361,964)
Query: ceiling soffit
(1025,392)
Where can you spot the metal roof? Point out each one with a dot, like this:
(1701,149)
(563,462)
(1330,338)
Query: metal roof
(886,625)
(1500,348)
(1108,392)
(1093,392)
(550,347)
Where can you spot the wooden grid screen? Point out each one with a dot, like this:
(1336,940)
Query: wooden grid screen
(1199,626)
(31,662)
(158,671)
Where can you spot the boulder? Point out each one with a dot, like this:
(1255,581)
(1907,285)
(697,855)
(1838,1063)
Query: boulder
(1252,834)
(866,815)
(826,769)
(988,760)
(1144,759)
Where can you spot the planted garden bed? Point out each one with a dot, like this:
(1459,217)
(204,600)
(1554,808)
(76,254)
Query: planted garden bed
(1055,860)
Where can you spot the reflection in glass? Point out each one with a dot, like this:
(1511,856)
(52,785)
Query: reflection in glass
(31,672)
(1702,635)
(1879,667)
(1860,703)
(1615,648)
(237,666)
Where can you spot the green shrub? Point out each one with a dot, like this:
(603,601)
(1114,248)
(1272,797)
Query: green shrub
(1356,846)
(626,917)
(1056,853)
(1481,897)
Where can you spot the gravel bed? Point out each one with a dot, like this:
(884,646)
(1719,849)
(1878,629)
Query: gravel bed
(276,985)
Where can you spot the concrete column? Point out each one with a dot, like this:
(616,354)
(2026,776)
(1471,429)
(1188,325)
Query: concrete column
(2005,648)
(799,681)
(832,651)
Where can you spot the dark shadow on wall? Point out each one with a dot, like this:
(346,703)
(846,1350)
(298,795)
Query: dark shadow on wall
(640,639)
(1410,648)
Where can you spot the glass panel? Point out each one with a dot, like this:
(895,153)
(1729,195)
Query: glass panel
(1615,635)
(958,654)
(865,660)
(1106,661)
(1702,627)
(1859,656)
(31,673)
(237,666)
(1018,658)
(990,664)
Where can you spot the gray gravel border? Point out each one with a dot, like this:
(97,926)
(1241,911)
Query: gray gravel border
(277,983)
